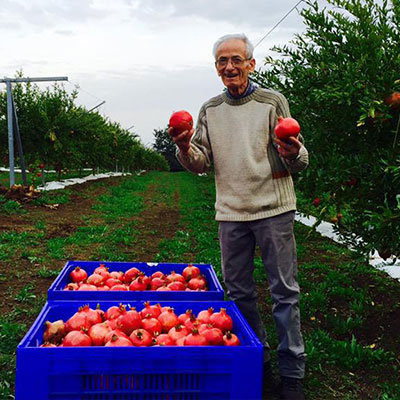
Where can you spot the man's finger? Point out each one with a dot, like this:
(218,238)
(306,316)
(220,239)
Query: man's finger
(294,141)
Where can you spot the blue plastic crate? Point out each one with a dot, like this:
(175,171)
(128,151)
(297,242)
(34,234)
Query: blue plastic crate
(56,292)
(139,373)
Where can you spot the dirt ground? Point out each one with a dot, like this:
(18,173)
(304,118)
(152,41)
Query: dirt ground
(65,220)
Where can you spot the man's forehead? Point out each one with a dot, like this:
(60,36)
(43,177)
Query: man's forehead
(233,47)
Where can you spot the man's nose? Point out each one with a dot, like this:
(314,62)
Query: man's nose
(229,64)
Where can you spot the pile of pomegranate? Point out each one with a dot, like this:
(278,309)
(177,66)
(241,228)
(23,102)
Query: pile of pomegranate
(133,279)
(154,325)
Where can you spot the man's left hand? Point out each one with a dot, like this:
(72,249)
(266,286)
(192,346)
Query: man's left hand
(288,149)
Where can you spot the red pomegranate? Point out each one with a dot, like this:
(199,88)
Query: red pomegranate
(230,339)
(154,310)
(76,338)
(214,336)
(152,325)
(118,341)
(131,274)
(54,331)
(180,121)
(195,339)
(168,319)
(222,320)
(177,332)
(129,321)
(183,317)
(165,340)
(99,332)
(141,338)
(286,128)
(78,274)
(191,271)
(204,316)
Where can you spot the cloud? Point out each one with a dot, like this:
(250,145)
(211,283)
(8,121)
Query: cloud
(49,13)
(260,13)
(64,32)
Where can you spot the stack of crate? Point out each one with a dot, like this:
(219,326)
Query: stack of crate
(138,373)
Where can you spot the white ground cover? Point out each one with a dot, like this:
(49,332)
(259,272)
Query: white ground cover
(391,265)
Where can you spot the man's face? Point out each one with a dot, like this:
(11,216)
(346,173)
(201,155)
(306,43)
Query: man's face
(232,65)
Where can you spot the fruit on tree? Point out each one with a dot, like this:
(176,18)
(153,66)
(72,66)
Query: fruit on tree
(393,100)
(350,182)
(286,128)
(316,201)
(180,121)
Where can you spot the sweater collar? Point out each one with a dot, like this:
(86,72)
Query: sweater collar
(251,87)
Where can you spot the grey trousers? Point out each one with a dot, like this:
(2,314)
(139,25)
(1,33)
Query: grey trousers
(276,240)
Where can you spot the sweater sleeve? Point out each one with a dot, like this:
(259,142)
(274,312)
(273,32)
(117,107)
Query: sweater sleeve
(199,157)
(301,162)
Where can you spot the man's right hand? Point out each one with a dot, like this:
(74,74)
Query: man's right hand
(182,140)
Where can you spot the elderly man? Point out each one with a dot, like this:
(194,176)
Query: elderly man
(256,201)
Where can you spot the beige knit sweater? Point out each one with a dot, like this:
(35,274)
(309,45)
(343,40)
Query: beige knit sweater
(252,180)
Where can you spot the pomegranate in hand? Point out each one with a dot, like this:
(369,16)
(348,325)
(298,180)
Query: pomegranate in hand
(286,128)
(180,121)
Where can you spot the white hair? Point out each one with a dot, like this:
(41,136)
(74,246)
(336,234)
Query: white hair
(235,36)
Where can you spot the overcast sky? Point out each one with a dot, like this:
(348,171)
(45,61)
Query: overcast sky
(145,58)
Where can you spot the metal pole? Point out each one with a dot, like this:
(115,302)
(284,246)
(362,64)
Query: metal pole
(19,143)
(10,134)
(98,105)
(10,112)
(47,79)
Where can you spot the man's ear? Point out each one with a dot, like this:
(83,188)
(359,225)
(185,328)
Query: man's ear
(252,65)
